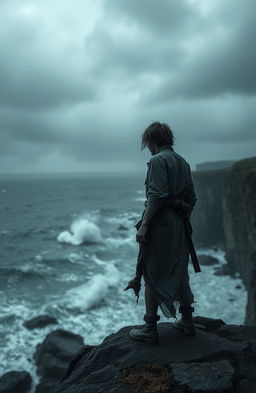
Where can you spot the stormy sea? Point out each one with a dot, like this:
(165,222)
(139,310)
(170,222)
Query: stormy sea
(68,249)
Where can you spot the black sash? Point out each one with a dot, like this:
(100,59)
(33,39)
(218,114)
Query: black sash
(183,210)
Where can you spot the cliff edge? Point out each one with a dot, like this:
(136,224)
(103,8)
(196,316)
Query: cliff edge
(239,222)
(219,358)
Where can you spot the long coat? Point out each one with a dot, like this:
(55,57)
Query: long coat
(167,252)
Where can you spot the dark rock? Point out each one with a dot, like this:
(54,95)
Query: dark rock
(15,382)
(225,270)
(122,227)
(207,216)
(225,217)
(246,362)
(208,377)
(119,351)
(207,260)
(76,358)
(245,386)
(238,286)
(40,322)
(54,354)
(238,332)
(47,387)
(239,212)
(208,324)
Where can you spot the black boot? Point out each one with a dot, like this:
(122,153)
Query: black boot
(186,322)
(148,333)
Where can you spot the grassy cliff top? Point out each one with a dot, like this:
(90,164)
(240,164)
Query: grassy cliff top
(247,164)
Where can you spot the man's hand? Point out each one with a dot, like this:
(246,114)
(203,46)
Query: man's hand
(141,234)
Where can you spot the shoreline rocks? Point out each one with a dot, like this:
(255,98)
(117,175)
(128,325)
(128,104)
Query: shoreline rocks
(53,356)
(15,382)
(40,322)
(220,358)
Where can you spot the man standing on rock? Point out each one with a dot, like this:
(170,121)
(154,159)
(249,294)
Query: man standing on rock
(164,233)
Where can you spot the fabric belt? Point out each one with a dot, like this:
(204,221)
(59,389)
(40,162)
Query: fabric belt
(188,231)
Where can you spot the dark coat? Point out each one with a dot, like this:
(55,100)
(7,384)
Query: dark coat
(166,252)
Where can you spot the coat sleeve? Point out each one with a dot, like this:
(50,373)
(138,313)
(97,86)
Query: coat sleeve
(157,181)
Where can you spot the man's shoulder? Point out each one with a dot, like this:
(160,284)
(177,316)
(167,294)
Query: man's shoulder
(157,159)
(173,155)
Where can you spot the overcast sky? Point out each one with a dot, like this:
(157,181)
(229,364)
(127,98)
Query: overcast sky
(81,79)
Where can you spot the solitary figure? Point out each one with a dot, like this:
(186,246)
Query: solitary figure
(164,236)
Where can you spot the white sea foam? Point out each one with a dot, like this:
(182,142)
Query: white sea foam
(4,232)
(20,343)
(91,293)
(82,230)
(139,199)
(119,241)
(140,191)
(125,219)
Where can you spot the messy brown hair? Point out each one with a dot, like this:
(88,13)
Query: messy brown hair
(157,133)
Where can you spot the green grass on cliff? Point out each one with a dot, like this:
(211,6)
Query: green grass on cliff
(247,164)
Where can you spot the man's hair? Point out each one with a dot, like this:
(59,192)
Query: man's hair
(157,133)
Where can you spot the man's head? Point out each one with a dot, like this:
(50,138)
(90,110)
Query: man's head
(157,135)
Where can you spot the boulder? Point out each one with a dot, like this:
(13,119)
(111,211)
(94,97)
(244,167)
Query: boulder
(122,227)
(54,354)
(40,322)
(207,259)
(15,382)
(225,270)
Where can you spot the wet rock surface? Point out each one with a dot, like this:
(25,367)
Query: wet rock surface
(207,260)
(40,322)
(204,377)
(206,362)
(53,356)
(15,382)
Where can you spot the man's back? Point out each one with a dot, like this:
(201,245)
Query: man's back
(169,176)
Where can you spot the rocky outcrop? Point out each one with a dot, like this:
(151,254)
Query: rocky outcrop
(207,217)
(239,221)
(53,355)
(15,382)
(219,358)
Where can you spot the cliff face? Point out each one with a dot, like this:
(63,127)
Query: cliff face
(239,223)
(214,165)
(225,216)
(208,213)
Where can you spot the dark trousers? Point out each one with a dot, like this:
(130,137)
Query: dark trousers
(184,296)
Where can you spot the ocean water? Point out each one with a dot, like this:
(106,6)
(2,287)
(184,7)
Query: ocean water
(68,249)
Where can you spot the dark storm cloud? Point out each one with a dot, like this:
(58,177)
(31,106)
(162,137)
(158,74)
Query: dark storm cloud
(33,74)
(225,63)
(136,38)
(160,18)
(192,55)
(84,91)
